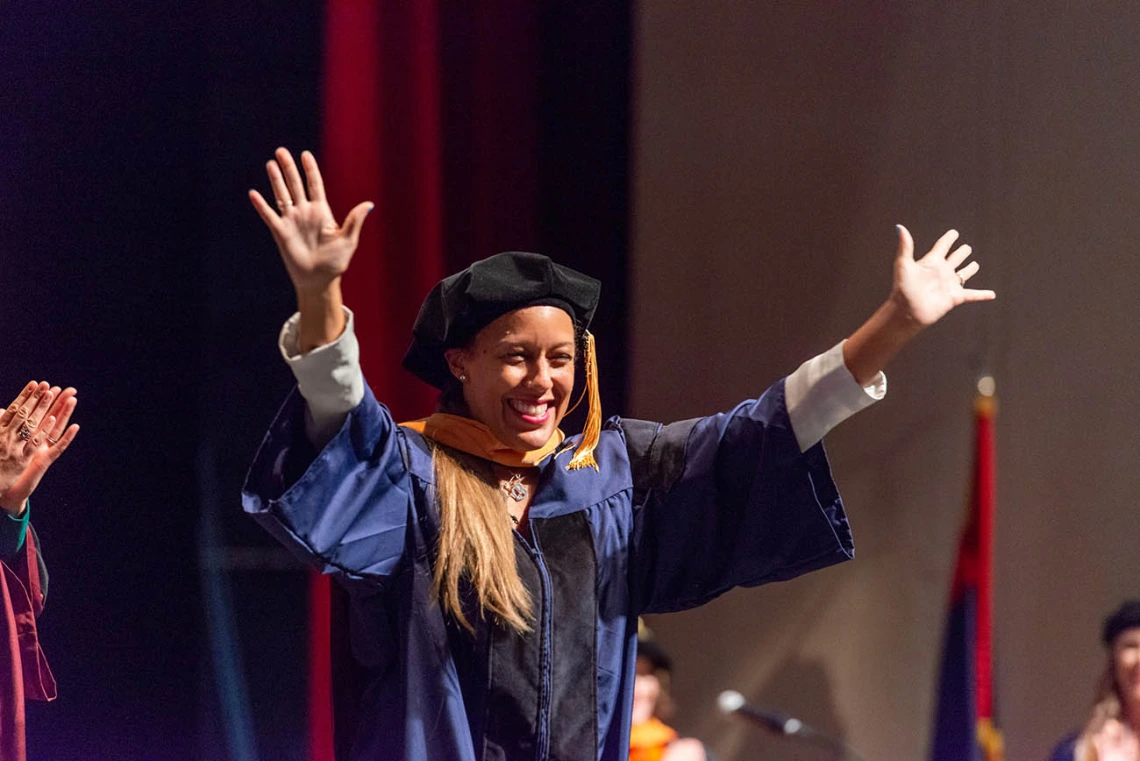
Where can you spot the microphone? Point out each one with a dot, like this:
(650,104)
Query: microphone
(731,701)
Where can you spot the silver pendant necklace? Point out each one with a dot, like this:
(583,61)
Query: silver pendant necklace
(515,488)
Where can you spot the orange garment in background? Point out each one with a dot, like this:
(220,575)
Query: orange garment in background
(648,740)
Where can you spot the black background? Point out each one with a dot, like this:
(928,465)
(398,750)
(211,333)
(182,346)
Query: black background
(133,269)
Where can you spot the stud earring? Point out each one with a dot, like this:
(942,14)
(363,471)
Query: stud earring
(462,378)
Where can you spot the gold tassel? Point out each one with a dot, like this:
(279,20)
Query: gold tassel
(584,455)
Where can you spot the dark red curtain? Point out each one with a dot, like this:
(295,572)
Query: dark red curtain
(383,140)
(465,123)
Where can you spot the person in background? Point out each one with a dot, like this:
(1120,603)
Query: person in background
(34,432)
(1111,733)
(651,739)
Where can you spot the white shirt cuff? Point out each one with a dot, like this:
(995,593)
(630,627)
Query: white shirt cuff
(328,377)
(822,393)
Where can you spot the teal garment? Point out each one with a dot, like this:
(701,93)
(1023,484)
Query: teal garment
(13,533)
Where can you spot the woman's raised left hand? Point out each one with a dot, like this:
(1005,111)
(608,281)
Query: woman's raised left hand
(924,291)
(927,288)
(34,432)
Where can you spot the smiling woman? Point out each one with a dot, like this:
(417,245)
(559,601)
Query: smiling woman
(496,566)
(499,341)
(1113,731)
(518,373)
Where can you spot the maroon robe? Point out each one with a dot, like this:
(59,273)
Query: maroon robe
(24,671)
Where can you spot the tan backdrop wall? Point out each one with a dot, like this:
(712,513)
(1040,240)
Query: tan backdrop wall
(775,148)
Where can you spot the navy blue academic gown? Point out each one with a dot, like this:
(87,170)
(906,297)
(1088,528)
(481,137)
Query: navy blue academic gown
(675,516)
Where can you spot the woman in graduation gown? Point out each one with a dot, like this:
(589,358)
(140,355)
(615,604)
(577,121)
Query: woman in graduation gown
(497,567)
(1113,731)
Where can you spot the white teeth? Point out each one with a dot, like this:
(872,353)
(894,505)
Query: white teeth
(534,410)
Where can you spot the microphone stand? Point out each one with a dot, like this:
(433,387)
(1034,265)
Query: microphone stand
(732,702)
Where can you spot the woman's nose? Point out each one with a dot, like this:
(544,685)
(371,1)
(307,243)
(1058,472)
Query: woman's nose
(540,376)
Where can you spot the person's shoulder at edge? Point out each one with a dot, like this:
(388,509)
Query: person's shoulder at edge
(1065,750)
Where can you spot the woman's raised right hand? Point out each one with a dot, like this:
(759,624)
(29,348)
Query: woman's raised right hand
(34,432)
(316,250)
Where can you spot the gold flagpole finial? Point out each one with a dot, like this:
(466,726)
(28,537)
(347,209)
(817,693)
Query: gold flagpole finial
(985,403)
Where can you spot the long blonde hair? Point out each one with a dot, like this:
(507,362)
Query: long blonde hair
(1106,707)
(476,542)
(1107,704)
(475,537)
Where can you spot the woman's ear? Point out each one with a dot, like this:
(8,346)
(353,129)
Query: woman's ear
(456,361)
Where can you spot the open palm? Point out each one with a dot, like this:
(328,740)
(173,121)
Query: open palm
(930,287)
(34,432)
(1116,742)
(315,249)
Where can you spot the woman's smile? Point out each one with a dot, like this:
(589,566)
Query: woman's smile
(531,412)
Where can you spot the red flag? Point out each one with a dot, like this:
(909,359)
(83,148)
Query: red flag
(964,722)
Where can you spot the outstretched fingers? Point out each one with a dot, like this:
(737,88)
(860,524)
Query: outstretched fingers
(62,409)
(292,175)
(906,244)
(9,414)
(959,255)
(38,406)
(45,449)
(281,193)
(354,221)
(967,272)
(288,187)
(40,436)
(942,245)
(266,212)
(313,177)
(973,294)
(62,442)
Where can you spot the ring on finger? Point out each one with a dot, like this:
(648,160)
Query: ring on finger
(285,203)
(53,441)
(961,280)
(25,432)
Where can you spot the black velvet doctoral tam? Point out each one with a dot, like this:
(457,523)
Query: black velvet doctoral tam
(1127,616)
(461,305)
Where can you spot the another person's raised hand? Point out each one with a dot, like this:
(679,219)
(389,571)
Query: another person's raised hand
(930,287)
(34,432)
(315,249)
(1114,741)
